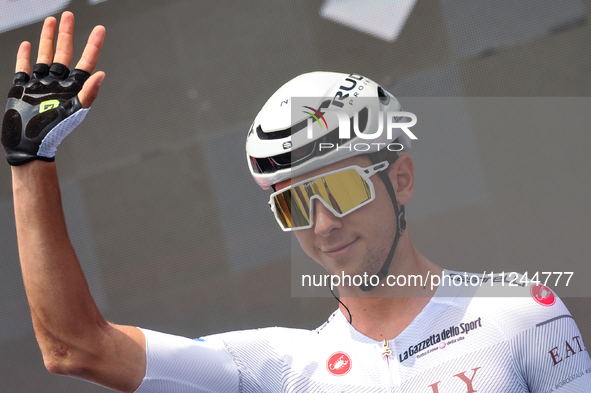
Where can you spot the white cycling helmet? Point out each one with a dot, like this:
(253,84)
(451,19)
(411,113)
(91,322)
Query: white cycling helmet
(279,146)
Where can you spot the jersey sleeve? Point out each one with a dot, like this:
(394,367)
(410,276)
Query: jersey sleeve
(181,365)
(551,355)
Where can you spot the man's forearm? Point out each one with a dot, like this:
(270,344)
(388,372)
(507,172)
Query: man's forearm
(74,337)
(62,308)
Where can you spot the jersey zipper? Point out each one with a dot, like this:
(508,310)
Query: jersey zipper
(386,351)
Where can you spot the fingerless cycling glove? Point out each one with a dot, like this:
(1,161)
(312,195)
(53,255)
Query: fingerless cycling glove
(41,111)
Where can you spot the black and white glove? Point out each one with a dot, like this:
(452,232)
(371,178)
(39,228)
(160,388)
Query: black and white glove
(41,111)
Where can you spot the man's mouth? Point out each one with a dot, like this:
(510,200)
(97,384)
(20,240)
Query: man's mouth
(339,250)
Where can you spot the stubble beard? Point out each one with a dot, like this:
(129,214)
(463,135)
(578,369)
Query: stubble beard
(373,260)
(371,263)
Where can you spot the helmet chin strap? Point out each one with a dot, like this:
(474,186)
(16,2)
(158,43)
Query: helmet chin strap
(400,222)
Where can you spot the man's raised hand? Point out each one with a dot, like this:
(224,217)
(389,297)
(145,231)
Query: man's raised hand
(45,106)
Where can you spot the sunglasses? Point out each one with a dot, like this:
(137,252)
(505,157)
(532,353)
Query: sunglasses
(342,192)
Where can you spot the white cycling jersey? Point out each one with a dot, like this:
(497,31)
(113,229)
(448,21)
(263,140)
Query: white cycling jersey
(461,342)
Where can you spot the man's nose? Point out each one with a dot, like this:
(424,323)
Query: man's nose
(324,221)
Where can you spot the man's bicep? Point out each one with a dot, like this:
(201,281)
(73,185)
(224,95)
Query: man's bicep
(553,356)
(178,364)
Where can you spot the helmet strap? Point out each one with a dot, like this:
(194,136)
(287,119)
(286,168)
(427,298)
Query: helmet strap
(400,220)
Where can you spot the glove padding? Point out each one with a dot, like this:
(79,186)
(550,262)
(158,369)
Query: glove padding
(41,112)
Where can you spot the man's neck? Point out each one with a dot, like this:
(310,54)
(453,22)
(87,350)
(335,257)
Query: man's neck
(386,316)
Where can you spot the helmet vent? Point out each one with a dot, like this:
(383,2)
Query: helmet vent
(362,121)
(274,134)
(383,96)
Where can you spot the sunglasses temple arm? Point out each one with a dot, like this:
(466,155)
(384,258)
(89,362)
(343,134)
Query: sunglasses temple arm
(375,168)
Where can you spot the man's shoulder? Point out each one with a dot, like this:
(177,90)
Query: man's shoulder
(276,339)
(512,301)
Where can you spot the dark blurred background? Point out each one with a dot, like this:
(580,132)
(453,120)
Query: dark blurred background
(175,236)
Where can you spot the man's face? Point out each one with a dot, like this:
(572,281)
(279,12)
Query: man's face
(356,243)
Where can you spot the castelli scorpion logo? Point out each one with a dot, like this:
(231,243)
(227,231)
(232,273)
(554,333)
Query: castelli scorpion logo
(542,295)
(339,363)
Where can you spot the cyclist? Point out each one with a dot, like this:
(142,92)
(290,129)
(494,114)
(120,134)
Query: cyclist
(346,207)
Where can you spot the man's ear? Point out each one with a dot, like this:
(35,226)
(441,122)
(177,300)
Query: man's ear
(402,176)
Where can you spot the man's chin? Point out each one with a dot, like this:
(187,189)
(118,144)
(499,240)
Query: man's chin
(344,271)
